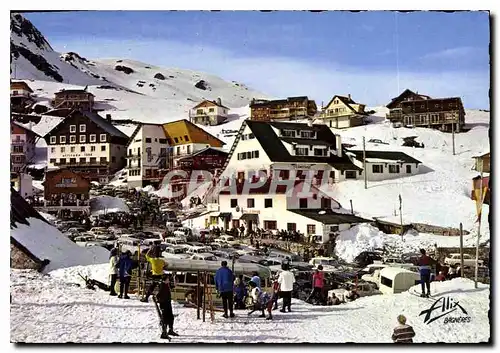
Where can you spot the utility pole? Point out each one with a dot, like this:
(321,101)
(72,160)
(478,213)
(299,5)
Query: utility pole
(461,250)
(401,214)
(364,162)
(453,135)
(480,213)
(352,210)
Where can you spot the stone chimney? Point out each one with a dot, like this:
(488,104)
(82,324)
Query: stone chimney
(338,141)
(219,101)
(108,118)
(349,96)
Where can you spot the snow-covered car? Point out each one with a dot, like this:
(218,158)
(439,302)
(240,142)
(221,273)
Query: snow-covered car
(364,289)
(198,250)
(82,239)
(324,261)
(175,252)
(204,257)
(454,260)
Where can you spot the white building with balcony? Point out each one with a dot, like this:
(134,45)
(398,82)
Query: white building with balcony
(343,112)
(147,155)
(22,146)
(209,113)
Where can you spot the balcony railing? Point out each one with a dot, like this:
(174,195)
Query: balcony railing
(61,203)
(83,164)
(17,142)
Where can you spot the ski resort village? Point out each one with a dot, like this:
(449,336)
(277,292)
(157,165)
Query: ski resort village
(155,204)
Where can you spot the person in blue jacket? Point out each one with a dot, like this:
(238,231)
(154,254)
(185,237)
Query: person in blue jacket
(240,291)
(224,285)
(125,266)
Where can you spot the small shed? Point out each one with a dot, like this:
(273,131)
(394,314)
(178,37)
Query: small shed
(396,280)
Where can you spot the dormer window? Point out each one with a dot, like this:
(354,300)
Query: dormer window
(288,133)
(307,134)
(301,151)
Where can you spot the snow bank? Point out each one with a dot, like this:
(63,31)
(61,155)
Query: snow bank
(99,272)
(364,237)
(200,191)
(46,242)
(53,309)
(107,204)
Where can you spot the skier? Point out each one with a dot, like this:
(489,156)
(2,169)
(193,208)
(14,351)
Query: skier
(164,298)
(261,300)
(286,279)
(424,263)
(157,266)
(318,279)
(125,265)
(224,286)
(113,269)
(403,333)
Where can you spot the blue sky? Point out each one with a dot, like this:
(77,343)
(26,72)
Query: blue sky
(296,53)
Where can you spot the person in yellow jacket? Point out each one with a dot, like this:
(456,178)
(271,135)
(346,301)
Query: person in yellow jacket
(157,267)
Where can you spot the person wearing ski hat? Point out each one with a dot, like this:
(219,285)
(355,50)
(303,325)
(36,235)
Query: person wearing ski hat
(164,298)
(261,301)
(403,333)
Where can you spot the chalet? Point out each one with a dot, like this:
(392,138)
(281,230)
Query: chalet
(74,99)
(65,189)
(87,143)
(20,96)
(382,165)
(209,159)
(185,139)
(482,162)
(291,108)
(342,112)
(288,150)
(209,113)
(147,155)
(22,146)
(413,109)
(314,214)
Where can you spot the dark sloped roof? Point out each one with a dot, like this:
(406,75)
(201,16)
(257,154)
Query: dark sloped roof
(277,152)
(330,217)
(76,91)
(279,101)
(20,210)
(392,155)
(104,124)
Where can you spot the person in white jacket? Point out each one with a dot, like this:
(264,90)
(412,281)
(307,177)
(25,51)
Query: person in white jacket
(286,279)
(113,269)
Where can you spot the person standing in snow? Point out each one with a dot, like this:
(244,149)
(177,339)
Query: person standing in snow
(164,298)
(125,265)
(424,263)
(240,292)
(275,292)
(224,285)
(403,333)
(286,279)
(113,270)
(318,284)
(157,266)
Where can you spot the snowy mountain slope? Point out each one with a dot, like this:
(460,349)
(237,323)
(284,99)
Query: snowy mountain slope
(127,89)
(53,309)
(441,195)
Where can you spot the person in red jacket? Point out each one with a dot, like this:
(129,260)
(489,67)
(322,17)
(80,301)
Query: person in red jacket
(318,284)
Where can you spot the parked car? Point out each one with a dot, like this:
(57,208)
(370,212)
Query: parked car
(366,258)
(364,289)
(204,257)
(454,260)
(176,252)
(198,250)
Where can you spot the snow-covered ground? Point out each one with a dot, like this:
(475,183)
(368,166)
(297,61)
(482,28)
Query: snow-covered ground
(107,204)
(47,243)
(53,309)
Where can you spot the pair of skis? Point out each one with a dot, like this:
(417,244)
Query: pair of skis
(162,324)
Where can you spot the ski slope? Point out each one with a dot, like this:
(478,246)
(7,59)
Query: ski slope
(54,309)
